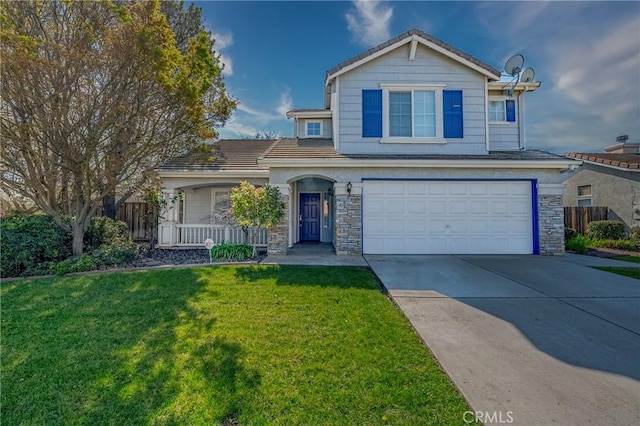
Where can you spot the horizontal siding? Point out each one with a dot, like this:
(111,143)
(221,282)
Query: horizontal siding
(429,67)
(503,137)
(326,127)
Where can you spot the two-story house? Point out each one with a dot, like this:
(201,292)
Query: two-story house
(419,149)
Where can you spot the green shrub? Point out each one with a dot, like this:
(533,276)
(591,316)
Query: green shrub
(606,230)
(111,256)
(569,233)
(616,244)
(104,233)
(29,243)
(83,263)
(634,233)
(231,252)
(578,243)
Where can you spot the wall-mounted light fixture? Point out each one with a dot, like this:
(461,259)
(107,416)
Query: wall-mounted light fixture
(330,191)
(349,187)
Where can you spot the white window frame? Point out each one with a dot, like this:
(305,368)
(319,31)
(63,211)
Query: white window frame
(588,197)
(306,128)
(393,87)
(502,99)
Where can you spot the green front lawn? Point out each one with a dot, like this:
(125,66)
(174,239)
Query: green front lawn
(627,272)
(632,259)
(230,345)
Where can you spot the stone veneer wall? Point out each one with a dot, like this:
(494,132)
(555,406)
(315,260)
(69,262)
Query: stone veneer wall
(551,224)
(278,236)
(348,224)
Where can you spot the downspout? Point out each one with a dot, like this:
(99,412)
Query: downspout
(486,114)
(521,141)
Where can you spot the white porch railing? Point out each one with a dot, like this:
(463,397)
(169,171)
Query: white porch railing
(194,235)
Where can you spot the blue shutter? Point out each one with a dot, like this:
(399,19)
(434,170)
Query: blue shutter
(511,110)
(452,109)
(372,113)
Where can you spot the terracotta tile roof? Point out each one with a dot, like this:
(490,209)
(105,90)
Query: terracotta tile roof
(410,33)
(303,148)
(291,148)
(625,161)
(225,154)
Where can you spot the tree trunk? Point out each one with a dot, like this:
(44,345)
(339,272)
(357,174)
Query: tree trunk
(78,239)
(109,205)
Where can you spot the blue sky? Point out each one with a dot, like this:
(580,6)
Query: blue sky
(586,54)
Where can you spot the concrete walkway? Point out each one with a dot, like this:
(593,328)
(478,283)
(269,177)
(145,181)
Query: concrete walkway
(533,339)
(314,254)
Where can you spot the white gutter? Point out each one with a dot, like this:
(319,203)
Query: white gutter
(309,114)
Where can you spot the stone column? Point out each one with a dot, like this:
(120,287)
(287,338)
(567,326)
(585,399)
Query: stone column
(278,236)
(551,218)
(348,226)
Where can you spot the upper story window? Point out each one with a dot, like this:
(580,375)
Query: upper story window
(501,110)
(412,113)
(313,128)
(584,196)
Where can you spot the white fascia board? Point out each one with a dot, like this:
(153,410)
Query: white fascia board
(520,87)
(425,42)
(609,166)
(459,164)
(309,114)
(215,174)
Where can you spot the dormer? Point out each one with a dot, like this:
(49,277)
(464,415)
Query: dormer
(311,123)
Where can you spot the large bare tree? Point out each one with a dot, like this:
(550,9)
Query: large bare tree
(94,94)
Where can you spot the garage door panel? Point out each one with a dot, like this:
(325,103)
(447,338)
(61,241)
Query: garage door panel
(448,217)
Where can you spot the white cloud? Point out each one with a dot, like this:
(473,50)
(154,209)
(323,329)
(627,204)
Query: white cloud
(222,41)
(248,121)
(588,59)
(368,22)
(286,103)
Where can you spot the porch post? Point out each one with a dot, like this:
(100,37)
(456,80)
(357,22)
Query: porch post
(167,232)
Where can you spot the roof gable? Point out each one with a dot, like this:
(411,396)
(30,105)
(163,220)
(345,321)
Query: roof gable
(414,36)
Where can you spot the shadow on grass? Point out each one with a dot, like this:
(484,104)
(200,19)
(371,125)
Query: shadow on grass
(129,348)
(321,276)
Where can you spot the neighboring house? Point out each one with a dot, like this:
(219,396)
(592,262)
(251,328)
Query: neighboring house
(419,149)
(610,179)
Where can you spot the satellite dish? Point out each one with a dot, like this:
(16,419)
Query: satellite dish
(514,64)
(528,75)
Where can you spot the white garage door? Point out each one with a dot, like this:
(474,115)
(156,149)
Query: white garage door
(447,217)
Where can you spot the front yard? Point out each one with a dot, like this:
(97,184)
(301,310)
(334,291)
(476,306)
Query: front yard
(216,345)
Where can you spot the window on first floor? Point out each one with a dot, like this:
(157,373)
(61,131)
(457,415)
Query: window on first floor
(584,196)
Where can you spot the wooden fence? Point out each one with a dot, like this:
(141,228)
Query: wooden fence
(141,221)
(578,218)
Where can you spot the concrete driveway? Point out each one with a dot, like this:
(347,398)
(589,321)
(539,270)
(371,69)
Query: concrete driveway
(528,340)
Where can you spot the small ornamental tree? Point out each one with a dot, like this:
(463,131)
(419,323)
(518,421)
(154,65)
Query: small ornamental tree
(259,207)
